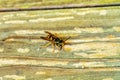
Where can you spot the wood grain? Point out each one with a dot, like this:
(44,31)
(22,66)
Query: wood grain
(93,54)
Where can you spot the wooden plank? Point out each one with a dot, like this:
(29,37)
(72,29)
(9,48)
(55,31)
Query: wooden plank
(38,3)
(92,55)
(94,32)
(59,62)
(47,73)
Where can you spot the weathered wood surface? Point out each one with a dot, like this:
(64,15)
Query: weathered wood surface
(94,32)
(38,3)
(94,53)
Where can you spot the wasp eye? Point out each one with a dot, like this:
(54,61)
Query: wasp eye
(60,41)
(57,39)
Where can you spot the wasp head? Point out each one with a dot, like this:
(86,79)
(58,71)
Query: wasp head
(59,43)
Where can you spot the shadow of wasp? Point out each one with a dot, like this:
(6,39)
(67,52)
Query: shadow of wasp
(55,41)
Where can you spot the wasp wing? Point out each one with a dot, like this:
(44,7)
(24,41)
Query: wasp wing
(48,33)
(53,35)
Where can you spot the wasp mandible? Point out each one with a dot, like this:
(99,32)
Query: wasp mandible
(55,40)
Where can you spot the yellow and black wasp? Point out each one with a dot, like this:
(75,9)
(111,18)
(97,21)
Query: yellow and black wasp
(55,40)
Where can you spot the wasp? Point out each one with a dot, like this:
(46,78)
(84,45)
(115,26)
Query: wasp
(55,41)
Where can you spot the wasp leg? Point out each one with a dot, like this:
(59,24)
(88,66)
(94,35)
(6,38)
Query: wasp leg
(67,38)
(58,48)
(68,43)
(63,48)
(46,45)
(56,34)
